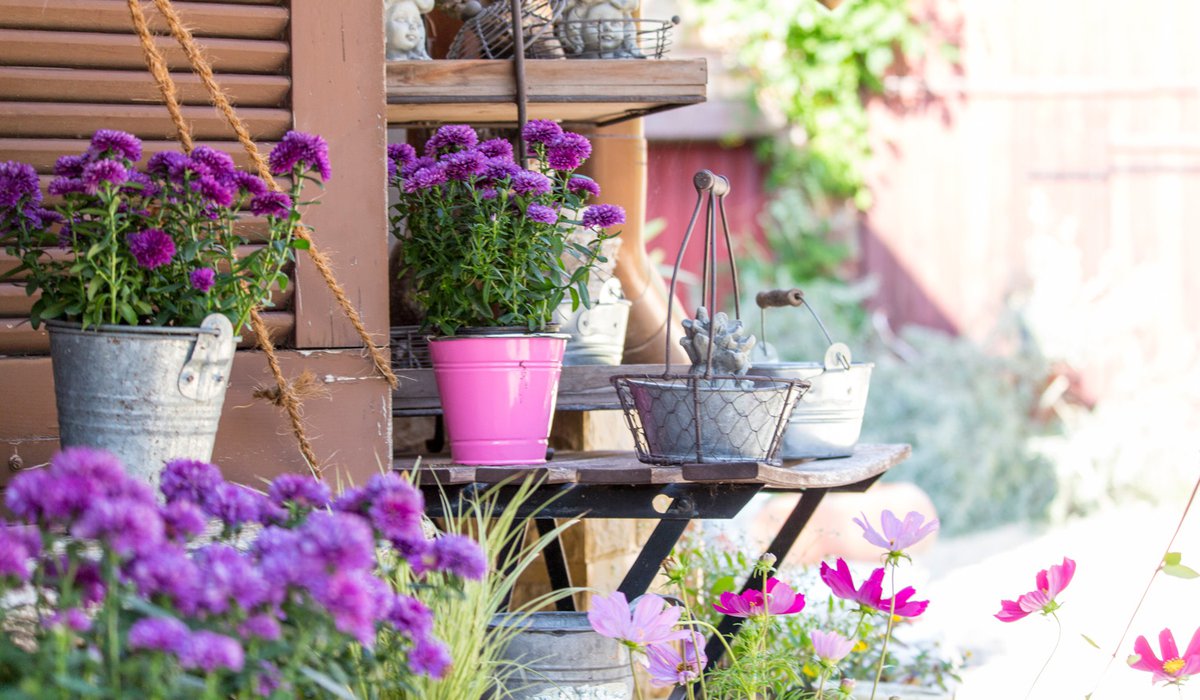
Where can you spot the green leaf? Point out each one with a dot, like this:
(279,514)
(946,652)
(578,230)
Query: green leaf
(1089,640)
(1172,558)
(301,244)
(127,313)
(1180,571)
(328,683)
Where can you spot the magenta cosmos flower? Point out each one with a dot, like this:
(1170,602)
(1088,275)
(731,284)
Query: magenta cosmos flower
(1173,668)
(897,535)
(780,600)
(870,594)
(1050,582)
(651,621)
(830,647)
(670,667)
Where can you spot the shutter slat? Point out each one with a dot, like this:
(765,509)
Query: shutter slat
(204,20)
(40,84)
(79,121)
(23,47)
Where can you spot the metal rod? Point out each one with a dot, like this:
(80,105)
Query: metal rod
(675,272)
(737,295)
(519,75)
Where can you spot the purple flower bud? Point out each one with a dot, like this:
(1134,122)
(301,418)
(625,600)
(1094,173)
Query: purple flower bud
(277,204)
(14,555)
(263,626)
(69,166)
(461,556)
(220,164)
(202,279)
(215,191)
(209,651)
(530,183)
(401,154)
(102,171)
(71,618)
(340,541)
(429,657)
(17,180)
(166,164)
(169,573)
(301,489)
(426,178)
(250,184)
(183,520)
(463,165)
(451,136)
(410,617)
(127,526)
(63,186)
(497,148)
(397,512)
(237,505)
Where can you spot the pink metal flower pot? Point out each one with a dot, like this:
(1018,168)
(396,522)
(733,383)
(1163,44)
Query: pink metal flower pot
(498,394)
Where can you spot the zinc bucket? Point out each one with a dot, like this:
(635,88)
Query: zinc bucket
(498,395)
(558,656)
(146,394)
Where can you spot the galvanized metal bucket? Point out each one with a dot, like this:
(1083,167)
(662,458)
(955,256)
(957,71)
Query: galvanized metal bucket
(558,656)
(827,420)
(146,394)
(598,331)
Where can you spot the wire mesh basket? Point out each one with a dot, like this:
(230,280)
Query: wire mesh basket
(707,416)
(615,38)
(489,34)
(410,348)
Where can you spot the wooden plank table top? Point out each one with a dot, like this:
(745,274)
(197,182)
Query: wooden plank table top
(607,468)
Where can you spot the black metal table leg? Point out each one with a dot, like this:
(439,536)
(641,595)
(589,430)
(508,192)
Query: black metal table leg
(780,546)
(556,564)
(666,534)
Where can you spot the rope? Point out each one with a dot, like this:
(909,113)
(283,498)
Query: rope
(287,397)
(158,68)
(203,69)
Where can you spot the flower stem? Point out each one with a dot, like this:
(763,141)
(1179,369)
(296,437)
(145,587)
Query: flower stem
(888,635)
(1057,639)
(821,684)
(637,691)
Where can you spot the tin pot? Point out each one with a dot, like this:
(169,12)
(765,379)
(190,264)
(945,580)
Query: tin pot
(146,394)
(558,656)
(597,331)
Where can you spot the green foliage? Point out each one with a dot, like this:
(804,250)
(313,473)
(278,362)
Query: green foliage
(814,68)
(463,616)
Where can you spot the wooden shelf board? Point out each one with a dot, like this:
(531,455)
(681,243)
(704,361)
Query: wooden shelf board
(586,91)
(868,461)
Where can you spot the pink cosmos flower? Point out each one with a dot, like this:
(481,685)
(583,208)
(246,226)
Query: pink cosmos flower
(781,600)
(652,620)
(897,535)
(1173,668)
(1050,582)
(831,646)
(870,594)
(669,667)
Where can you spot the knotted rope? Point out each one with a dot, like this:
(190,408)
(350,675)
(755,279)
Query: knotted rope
(157,65)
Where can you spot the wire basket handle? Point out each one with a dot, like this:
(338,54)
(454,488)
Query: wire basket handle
(716,187)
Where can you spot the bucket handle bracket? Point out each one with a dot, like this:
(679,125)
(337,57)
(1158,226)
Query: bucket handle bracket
(203,375)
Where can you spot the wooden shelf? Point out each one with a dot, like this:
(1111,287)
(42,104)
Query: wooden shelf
(600,468)
(585,388)
(593,91)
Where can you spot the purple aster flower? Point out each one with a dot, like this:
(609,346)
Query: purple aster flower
(127,526)
(281,559)
(263,626)
(401,154)
(73,619)
(17,180)
(88,582)
(500,168)
(541,214)
(167,572)
(429,657)
(497,148)
(461,556)
(350,598)
(159,634)
(527,182)
(151,248)
(215,191)
(100,466)
(69,166)
(541,131)
(277,204)
(407,170)
(140,183)
(248,183)
(227,574)
(202,279)
(41,219)
(603,216)
(426,178)
(39,496)
(463,165)
(101,171)
(166,164)
(268,681)
(237,505)
(209,651)
(396,513)
(353,500)
(568,151)
(410,617)
(220,164)
(579,184)
(451,136)
(489,193)
(300,149)
(63,186)
(14,555)
(183,520)
(340,541)
(301,489)
(118,143)
(190,480)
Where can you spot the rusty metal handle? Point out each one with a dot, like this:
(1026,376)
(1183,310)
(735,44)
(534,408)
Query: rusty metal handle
(776,298)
